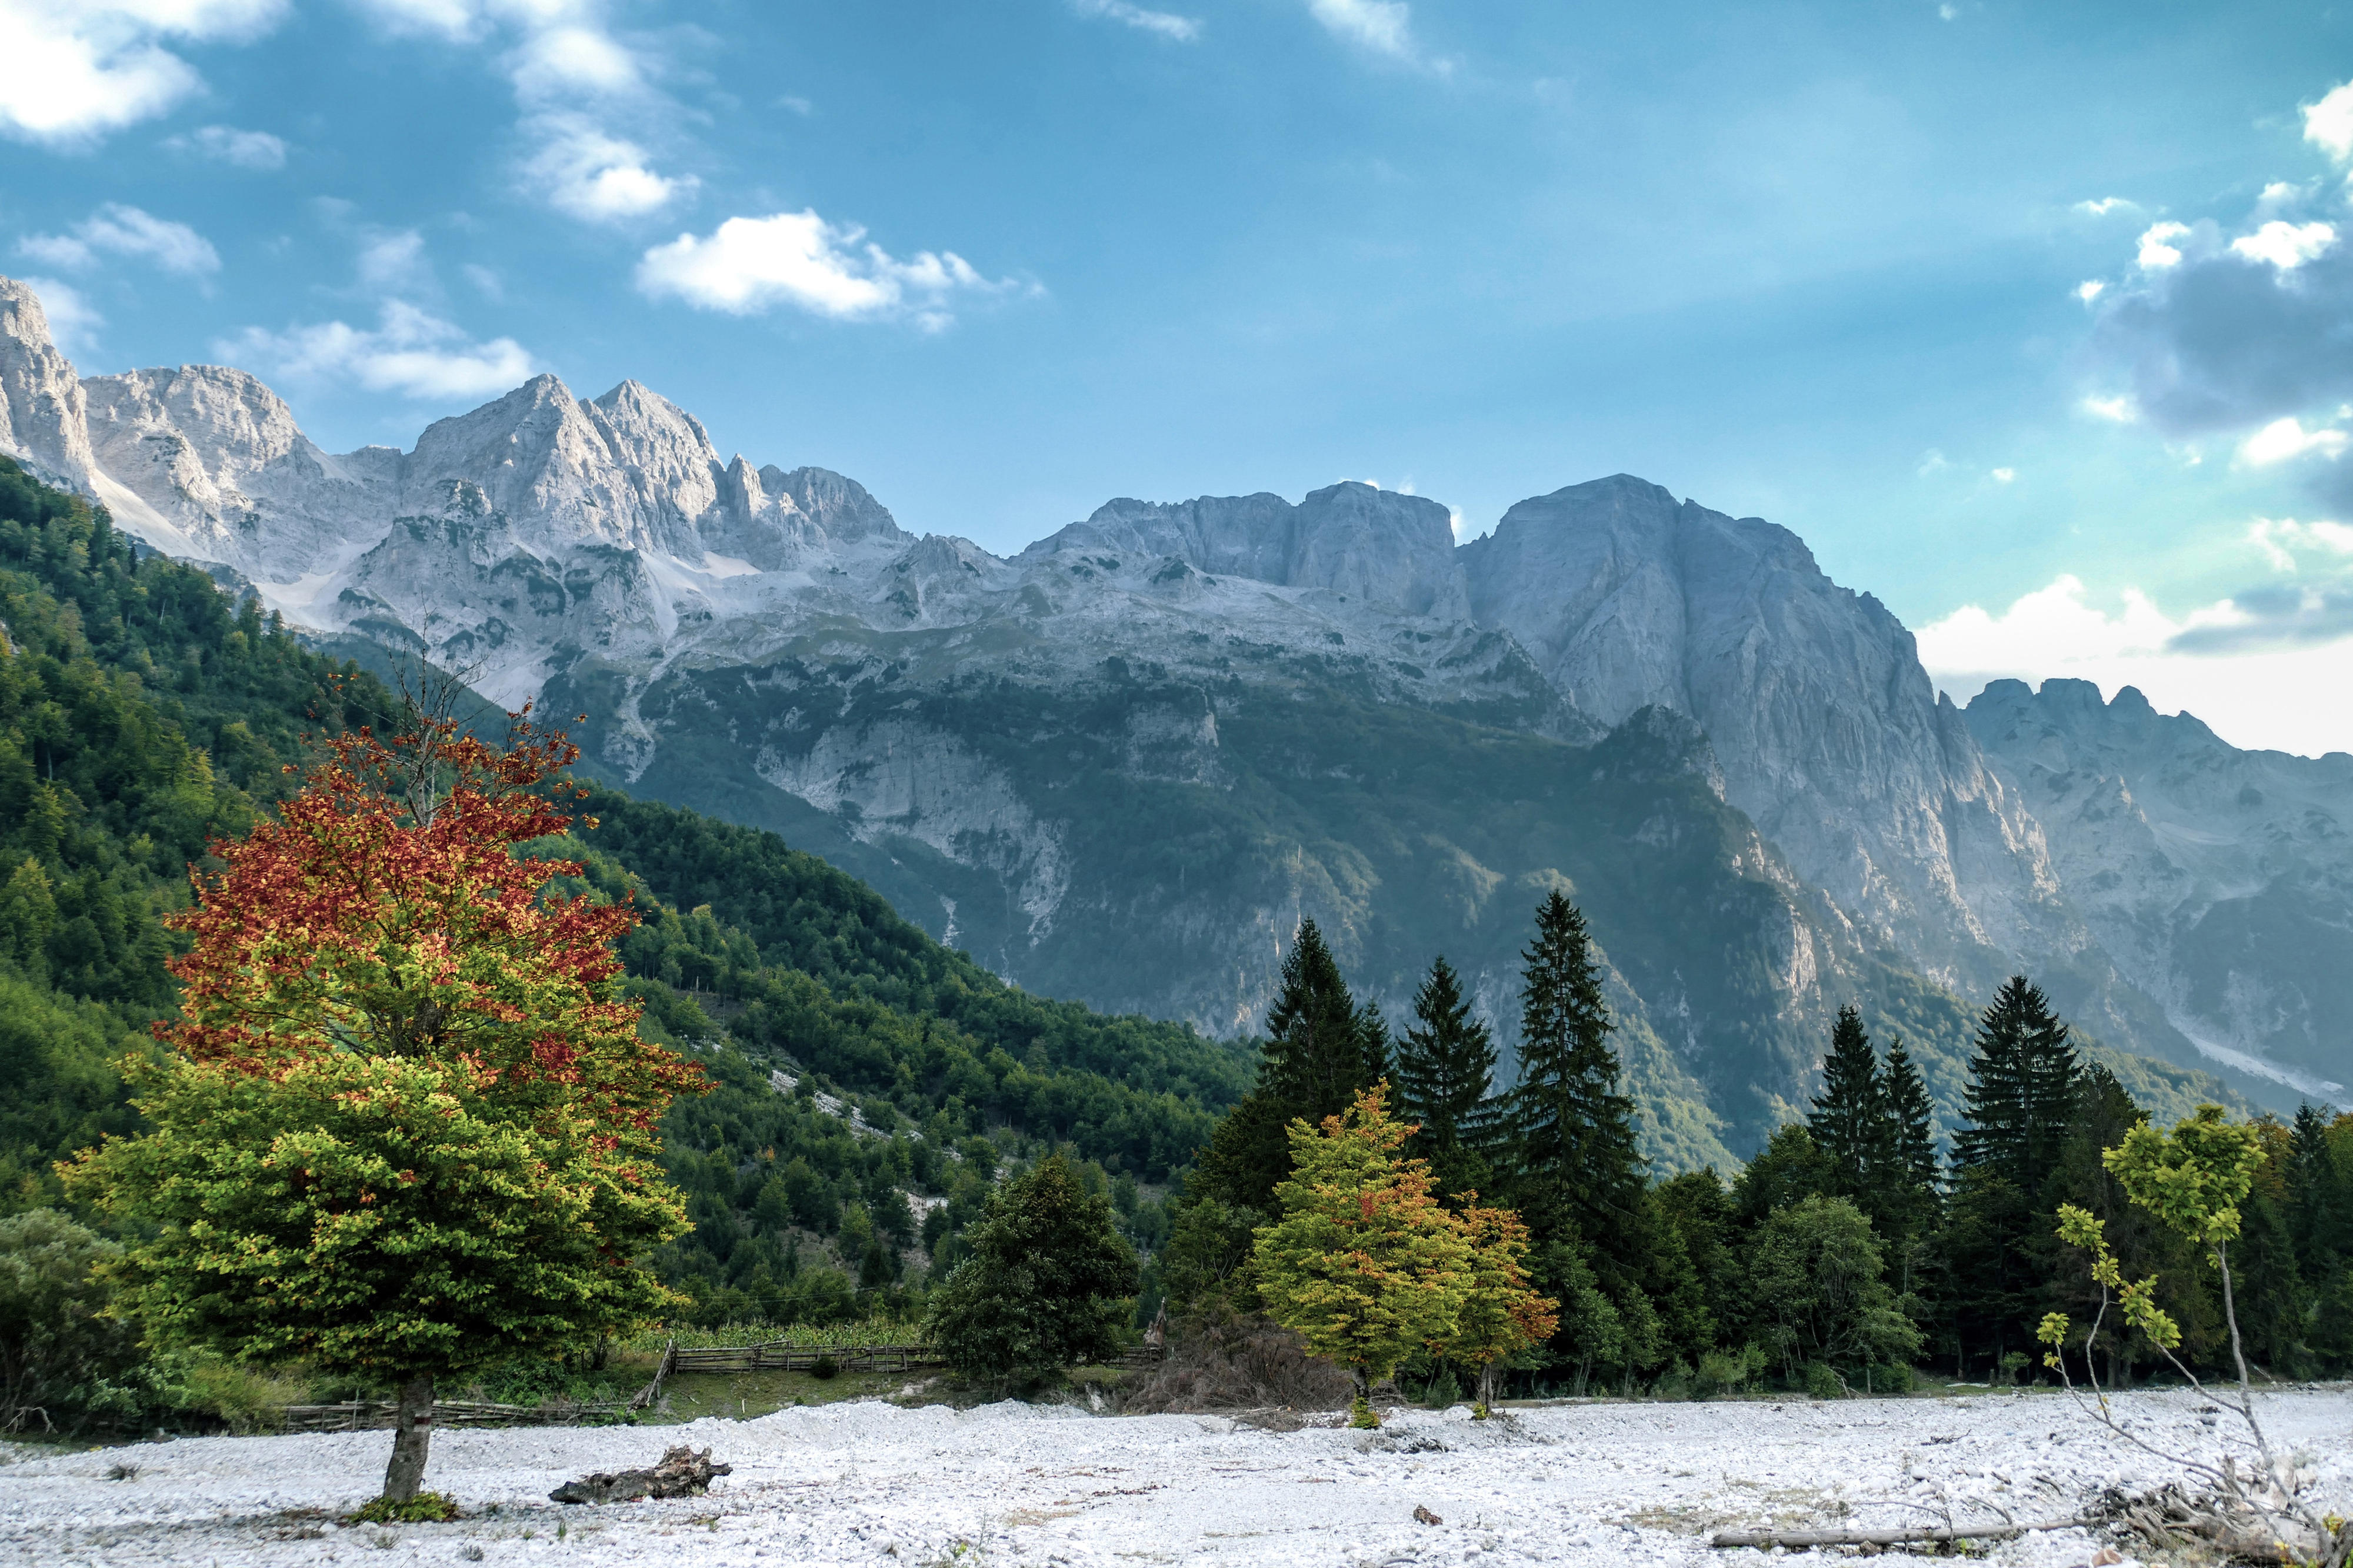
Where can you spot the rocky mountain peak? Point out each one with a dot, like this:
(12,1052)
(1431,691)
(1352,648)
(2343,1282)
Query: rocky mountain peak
(42,423)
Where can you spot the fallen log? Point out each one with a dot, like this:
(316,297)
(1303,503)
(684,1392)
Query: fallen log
(1898,1535)
(682,1472)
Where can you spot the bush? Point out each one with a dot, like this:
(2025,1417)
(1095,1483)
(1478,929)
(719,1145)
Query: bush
(1823,1381)
(425,1508)
(60,1358)
(825,1367)
(1727,1372)
(1896,1379)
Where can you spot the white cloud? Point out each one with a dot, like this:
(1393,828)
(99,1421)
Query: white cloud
(2328,124)
(749,264)
(1948,13)
(2090,290)
(1182,29)
(486,283)
(2157,247)
(410,352)
(77,69)
(2118,410)
(2004,476)
(2255,695)
(2280,538)
(115,229)
(2285,246)
(597,177)
(1932,461)
(2106,206)
(2283,439)
(73,321)
(391,262)
(1383,26)
(228,145)
(589,100)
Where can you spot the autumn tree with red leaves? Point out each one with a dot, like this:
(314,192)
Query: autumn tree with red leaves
(405,1126)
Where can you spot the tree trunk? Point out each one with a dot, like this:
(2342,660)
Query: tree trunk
(412,1433)
(1486,1382)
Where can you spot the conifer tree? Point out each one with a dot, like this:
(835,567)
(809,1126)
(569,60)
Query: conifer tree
(1575,1159)
(1319,1049)
(1914,1115)
(2022,1092)
(1913,1171)
(1854,1128)
(1444,1078)
(2021,1089)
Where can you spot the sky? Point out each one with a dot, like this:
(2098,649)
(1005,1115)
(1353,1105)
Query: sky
(2034,320)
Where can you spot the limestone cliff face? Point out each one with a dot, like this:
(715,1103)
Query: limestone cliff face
(1832,737)
(42,420)
(2221,879)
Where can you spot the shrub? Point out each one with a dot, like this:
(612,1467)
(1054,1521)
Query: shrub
(425,1508)
(1823,1381)
(1727,1372)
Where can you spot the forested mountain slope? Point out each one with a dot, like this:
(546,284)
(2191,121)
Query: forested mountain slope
(142,711)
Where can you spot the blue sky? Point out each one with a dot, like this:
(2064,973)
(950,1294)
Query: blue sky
(1825,264)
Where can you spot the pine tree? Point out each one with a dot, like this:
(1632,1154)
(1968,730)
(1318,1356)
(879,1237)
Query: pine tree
(1319,1049)
(1912,1172)
(1445,1076)
(2022,1089)
(1851,1124)
(1913,1114)
(1574,1150)
(2022,1094)
(1049,1282)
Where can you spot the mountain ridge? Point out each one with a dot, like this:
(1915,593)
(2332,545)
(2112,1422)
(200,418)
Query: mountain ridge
(994,742)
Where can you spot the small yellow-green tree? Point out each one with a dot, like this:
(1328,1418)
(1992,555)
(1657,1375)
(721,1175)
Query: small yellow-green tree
(1364,1264)
(2192,1180)
(1502,1313)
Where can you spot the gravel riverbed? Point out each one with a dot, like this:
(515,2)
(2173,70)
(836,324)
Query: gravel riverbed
(873,1482)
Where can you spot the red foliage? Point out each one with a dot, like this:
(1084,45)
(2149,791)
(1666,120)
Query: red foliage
(385,912)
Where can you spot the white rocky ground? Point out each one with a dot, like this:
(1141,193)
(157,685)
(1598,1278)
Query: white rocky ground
(870,1482)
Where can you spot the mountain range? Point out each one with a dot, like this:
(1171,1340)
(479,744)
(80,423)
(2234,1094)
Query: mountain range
(1121,764)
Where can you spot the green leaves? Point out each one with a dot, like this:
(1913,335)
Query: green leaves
(2194,1178)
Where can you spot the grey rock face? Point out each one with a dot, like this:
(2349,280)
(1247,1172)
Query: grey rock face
(1832,737)
(42,422)
(2221,879)
(1376,547)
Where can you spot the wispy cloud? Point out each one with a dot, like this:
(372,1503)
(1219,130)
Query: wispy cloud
(115,229)
(589,99)
(2106,204)
(257,150)
(1166,25)
(749,265)
(1377,27)
(78,69)
(410,352)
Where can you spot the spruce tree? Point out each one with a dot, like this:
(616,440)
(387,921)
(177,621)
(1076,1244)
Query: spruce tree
(1445,1076)
(2022,1094)
(1320,1050)
(2022,1089)
(1913,1166)
(1852,1124)
(1579,1167)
